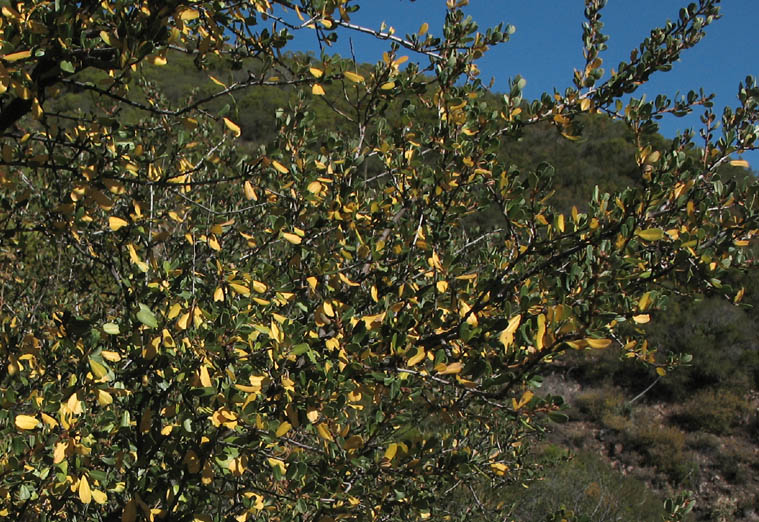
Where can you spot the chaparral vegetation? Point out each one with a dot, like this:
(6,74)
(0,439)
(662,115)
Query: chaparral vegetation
(244,283)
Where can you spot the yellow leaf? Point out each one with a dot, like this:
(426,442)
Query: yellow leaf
(258,286)
(99,497)
(47,419)
(280,168)
(317,90)
(507,336)
(26,422)
(387,86)
(353,77)
(424,28)
(232,126)
(740,163)
(277,463)
(283,428)
(499,468)
(116,223)
(312,416)
(347,281)
(527,397)
(184,321)
(217,81)
(249,191)
(641,318)
(213,242)
(416,359)
(560,222)
(218,294)
(205,379)
(292,238)
(400,61)
(59,453)
(174,311)
(452,368)
(158,60)
(314,187)
(541,332)
(74,404)
(104,398)
(14,57)
(661,371)
(353,442)
(598,344)
(391,450)
(585,104)
(110,356)
(240,289)
(189,14)
(143,266)
(85,495)
(316,72)
(644,301)
(651,234)
(324,433)
(442,286)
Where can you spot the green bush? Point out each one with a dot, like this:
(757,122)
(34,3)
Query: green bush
(660,446)
(715,411)
(597,403)
(587,487)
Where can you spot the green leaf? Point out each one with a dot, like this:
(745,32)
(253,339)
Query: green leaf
(111,328)
(66,66)
(651,234)
(146,317)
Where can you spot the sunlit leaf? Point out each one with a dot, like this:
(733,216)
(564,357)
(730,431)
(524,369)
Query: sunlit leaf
(26,422)
(641,318)
(85,494)
(740,163)
(598,344)
(117,223)
(506,337)
(279,167)
(417,357)
(283,428)
(232,126)
(353,77)
(324,433)
(292,238)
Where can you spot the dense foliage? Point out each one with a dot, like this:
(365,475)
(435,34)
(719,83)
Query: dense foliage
(344,320)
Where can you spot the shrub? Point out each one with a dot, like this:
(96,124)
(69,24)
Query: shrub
(715,411)
(587,487)
(660,446)
(597,403)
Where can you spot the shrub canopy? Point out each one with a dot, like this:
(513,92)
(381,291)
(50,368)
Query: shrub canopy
(318,325)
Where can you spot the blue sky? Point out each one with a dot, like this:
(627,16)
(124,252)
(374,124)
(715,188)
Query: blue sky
(547,45)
